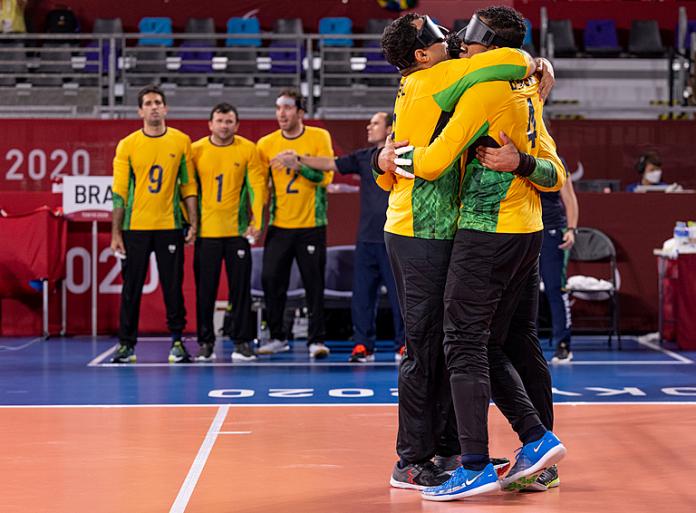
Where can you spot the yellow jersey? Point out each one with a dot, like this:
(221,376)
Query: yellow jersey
(425,101)
(230,179)
(492,201)
(298,198)
(151,176)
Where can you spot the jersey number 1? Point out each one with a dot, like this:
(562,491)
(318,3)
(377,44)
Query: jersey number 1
(531,124)
(218,179)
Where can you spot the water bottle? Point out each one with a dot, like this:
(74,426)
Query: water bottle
(681,234)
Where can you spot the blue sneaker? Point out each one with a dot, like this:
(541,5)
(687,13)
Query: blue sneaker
(464,483)
(531,459)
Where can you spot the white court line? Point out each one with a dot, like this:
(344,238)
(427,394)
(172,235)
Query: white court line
(375,364)
(672,354)
(189,485)
(97,361)
(317,405)
(23,346)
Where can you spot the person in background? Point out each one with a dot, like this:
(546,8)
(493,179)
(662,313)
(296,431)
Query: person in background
(230,176)
(649,166)
(12,14)
(152,171)
(298,221)
(371,267)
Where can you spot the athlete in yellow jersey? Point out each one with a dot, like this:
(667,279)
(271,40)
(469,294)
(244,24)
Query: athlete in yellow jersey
(230,177)
(297,222)
(492,283)
(421,221)
(152,172)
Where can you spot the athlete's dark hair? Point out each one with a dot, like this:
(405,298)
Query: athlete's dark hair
(150,88)
(388,119)
(224,108)
(506,21)
(398,39)
(294,94)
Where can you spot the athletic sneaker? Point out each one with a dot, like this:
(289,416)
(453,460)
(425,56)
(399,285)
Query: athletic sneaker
(531,459)
(417,476)
(206,353)
(274,346)
(178,353)
(563,354)
(450,463)
(399,354)
(360,354)
(243,352)
(544,481)
(464,483)
(318,350)
(124,354)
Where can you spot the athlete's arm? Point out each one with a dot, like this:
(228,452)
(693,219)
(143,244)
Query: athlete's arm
(120,192)
(325,148)
(192,210)
(257,174)
(259,201)
(570,202)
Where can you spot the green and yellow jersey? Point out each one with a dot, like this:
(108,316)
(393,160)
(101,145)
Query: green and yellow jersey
(151,176)
(230,178)
(492,201)
(426,99)
(298,198)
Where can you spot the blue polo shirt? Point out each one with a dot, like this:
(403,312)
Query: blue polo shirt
(373,200)
(553,212)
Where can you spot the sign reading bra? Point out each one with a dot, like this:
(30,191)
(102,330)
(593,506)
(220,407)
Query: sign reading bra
(87,198)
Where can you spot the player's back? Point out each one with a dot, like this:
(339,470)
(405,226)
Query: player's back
(503,202)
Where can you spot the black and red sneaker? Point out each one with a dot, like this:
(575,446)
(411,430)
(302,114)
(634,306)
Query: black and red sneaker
(360,354)
(417,476)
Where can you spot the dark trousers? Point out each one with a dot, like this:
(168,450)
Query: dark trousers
(553,264)
(308,247)
(489,273)
(426,417)
(207,264)
(371,270)
(168,246)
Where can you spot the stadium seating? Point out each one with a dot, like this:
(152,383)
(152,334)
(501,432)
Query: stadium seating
(335,53)
(103,47)
(160,28)
(336,26)
(690,29)
(563,38)
(198,54)
(601,38)
(645,40)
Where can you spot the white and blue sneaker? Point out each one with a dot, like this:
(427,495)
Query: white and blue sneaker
(531,459)
(464,483)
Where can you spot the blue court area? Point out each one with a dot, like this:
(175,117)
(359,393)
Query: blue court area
(75,371)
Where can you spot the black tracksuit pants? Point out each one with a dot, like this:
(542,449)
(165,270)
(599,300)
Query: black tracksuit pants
(491,283)
(426,417)
(308,247)
(209,255)
(168,246)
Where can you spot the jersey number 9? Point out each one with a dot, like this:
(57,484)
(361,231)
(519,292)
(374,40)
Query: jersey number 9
(155,177)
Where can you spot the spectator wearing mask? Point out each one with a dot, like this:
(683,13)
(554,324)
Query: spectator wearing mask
(649,166)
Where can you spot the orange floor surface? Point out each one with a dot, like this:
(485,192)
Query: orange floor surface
(621,458)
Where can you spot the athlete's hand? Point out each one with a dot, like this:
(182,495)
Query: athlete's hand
(568,240)
(504,159)
(252,234)
(117,245)
(389,158)
(547,78)
(287,158)
(190,235)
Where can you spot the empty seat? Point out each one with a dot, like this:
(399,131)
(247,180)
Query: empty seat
(200,26)
(376,25)
(528,42)
(56,60)
(601,38)
(289,26)
(160,28)
(243,26)
(15,61)
(563,38)
(107,26)
(336,26)
(198,54)
(373,53)
(645,40)
(102,47)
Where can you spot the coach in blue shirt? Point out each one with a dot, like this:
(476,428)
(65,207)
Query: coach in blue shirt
(371,267)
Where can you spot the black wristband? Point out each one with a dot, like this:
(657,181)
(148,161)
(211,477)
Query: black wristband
(375,161)
(526,166)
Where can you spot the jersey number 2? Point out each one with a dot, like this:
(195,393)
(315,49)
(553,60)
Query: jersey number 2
(289,188)
(531,124)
